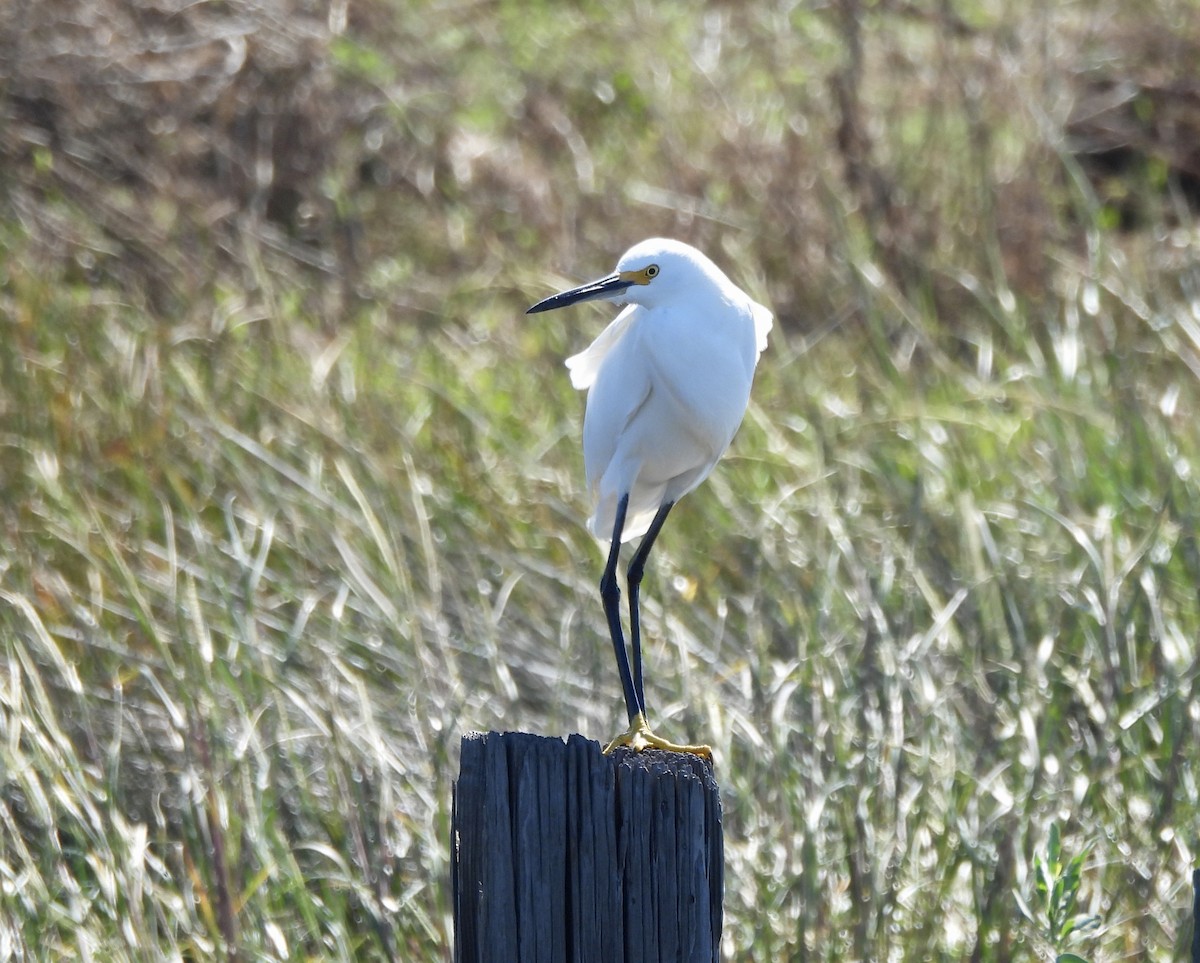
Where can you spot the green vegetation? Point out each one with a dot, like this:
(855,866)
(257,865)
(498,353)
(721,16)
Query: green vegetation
(292,494)
(1057,885)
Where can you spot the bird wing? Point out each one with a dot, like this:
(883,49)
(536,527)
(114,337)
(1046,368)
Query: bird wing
(585,365)
(614,400)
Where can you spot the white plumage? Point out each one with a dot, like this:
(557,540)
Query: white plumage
(668,381)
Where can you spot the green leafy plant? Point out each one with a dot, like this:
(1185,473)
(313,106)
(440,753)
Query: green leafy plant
(1056,888)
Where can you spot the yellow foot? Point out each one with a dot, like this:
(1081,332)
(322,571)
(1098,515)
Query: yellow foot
(638,737)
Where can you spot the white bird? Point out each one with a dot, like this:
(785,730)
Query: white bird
(668,382)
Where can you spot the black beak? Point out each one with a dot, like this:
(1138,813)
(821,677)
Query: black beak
(605,288)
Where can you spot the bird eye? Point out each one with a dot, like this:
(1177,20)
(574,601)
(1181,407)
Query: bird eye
(652,271)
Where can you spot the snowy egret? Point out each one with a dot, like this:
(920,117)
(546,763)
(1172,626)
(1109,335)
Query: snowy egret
(668,382)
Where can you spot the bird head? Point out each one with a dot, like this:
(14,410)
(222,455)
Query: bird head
(647,274)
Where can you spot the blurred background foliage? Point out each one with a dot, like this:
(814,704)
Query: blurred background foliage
(291,487)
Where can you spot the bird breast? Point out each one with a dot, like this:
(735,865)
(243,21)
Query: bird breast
(669,396)
(705,365)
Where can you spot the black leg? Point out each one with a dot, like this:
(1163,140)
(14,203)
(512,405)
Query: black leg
(637,568)
(610,595)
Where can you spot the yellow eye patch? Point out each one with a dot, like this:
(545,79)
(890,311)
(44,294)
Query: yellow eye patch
(642,275)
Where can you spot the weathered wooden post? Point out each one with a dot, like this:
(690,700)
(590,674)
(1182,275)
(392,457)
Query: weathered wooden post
(1196,916)
(561,853)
